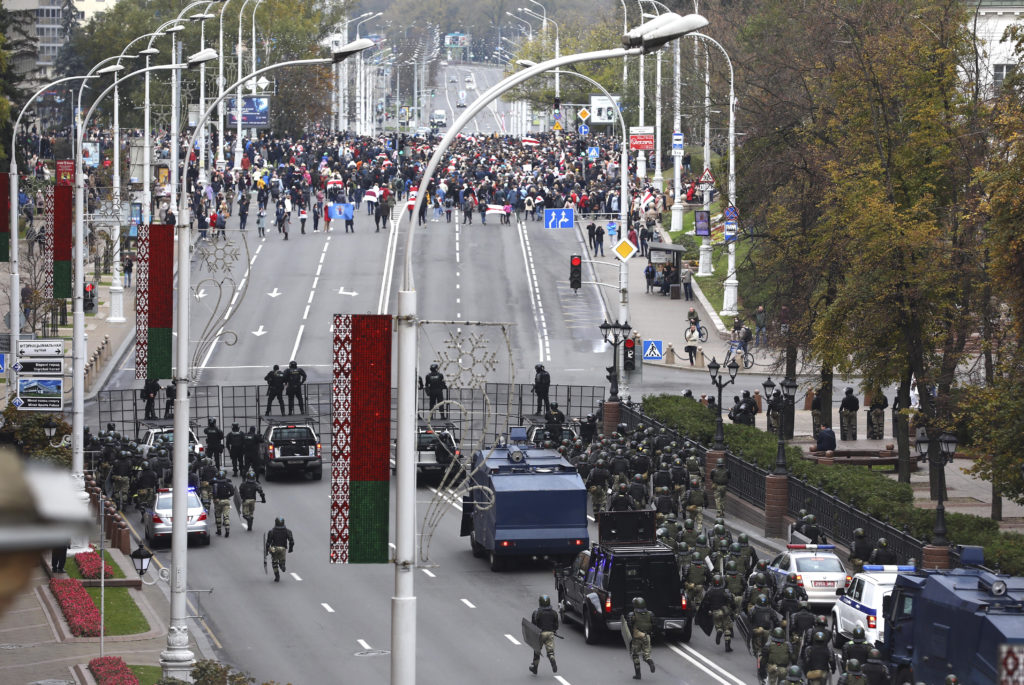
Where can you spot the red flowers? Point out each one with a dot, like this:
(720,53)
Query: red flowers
(112,670)
(80,611)
(89,565)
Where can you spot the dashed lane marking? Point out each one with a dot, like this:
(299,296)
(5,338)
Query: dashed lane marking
(690,650)
(699,665)
(562,680)
(305,313)
(468,603)
(298,339)
(327,606)
(512,639)
(363,643)
(427,572)
(295,576)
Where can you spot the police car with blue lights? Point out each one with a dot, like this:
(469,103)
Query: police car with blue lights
(818,570)
(861,603)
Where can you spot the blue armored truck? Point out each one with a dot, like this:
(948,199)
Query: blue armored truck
(524,502)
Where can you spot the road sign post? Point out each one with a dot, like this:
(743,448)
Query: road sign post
(677,144)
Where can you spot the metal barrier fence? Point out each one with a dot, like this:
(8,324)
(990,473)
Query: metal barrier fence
(474,414)
(839,519)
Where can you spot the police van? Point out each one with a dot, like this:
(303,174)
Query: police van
(861,603)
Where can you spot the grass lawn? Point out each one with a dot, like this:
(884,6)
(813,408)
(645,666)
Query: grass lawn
(713,286)
(716,208)
(147,675)
(72,568)
(121,613)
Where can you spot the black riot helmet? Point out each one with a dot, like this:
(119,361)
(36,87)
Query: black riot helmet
(293,364)
(762,600)
(434,367)
(639,603)
(538,367)
(234,427)
(853,666)
(544,601)
(279,521)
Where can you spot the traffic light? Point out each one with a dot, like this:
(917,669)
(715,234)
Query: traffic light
(629,354)
(89,302)
(558,104)
(576,272)
(611,376)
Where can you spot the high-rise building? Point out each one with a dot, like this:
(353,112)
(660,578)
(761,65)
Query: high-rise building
(49,25)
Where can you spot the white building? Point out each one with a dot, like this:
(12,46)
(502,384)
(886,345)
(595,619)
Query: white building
(49,30)
(994,17)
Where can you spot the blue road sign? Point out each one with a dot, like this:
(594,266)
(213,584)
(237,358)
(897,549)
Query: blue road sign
(593,151)
(583,129)
(610,229)
(653,350)
(3,363)
(559,218)
(730,229)
(731,214)
(17,402)
(677,141)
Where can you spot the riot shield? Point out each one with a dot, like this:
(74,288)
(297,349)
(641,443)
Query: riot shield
(627,634)
(238,503)
(531,635)
(742,624)
(704,619)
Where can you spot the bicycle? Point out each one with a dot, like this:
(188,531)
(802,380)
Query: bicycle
(702,331)
(736,347)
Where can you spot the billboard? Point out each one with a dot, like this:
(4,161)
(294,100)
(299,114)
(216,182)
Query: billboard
(255,111)
(456,40)
(91,153)
(602,110)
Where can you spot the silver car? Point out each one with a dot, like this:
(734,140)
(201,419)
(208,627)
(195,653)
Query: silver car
(158,518)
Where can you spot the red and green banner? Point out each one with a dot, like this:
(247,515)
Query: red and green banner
(62,197)
(361,439)
(160,294)
(5,218)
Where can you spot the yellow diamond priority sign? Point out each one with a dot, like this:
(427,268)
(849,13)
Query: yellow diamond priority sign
(584,113)
(624,249)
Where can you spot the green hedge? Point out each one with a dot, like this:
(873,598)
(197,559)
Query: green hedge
(870,491)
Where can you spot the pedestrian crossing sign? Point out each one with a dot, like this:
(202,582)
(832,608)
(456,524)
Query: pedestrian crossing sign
(653,350)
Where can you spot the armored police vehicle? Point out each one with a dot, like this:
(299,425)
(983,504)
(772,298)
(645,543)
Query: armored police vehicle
(525,502)
(628,561)
(953,622)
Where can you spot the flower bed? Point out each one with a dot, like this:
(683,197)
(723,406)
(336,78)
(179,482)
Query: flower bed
(89,565)
(77,606)
(112,670)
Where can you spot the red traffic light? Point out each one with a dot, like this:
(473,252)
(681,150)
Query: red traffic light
(576,260)
(629,343)
(89,287)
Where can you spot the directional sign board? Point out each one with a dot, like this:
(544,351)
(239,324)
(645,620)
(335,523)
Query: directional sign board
(3,363)
(41,348)
(653,350)
(624,249)
(593,152)
(641,137)
(677,145)
(39,394)
(45,367)
(583,114)
(559,218)
(583,129)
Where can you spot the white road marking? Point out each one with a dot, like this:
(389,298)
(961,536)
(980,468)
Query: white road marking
(457,286)
(311,294)
(447,497)
(241,283)
(561,680)
(591,517)
(209,352)
(512,639)
(322,255)
(305,313)
(319,268)
(327,606)
(260,332)
(316,280)
(702,667)
(543,343)
(468,603)
(458,300)
(296,576)
(428,573)
(363,643)
(298,339)
(258,248)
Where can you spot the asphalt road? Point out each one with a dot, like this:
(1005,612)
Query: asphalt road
(325,623)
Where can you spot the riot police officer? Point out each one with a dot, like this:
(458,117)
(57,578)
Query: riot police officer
(251,452)
(146,482)
(856,649)
(720,477)
(718,602)
(247,491)
(860,550)
(545,618)
(875,670)
(222,490)
(852,674)
(848,409)
(295,378)
(214,441)
(171,394)
(597,484)
(818,660)
(279,539)
(694,502)
(641,625)
(541,385)
(588,429)
(275,386)
(882,554)
(554,419)
(638,491)
(149,393)
(621,501)
(435,386)
(695,577)
(235,442)
(876,425)
(775,657)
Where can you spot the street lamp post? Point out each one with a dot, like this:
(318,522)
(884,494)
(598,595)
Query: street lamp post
(779,406)
(147,143)
(720,382)
(403,655)
(558,48)
(220,87)
(947,448)
(614,334)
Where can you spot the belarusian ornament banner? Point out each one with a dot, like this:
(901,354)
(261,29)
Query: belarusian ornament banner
(154,301)
(5,217)
(62,198)
(361,440)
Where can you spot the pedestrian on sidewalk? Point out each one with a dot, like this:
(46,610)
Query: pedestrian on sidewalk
(686,277)
(599,240)
(692,337)
(649,273)
(129,266)
(760,326)
(261,223)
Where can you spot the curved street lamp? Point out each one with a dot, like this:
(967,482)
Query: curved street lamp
(947,448)
(719,382)
(779,406)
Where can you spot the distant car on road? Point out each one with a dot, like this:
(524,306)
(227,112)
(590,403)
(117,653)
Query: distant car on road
(158,519)
(452,79)
(470,83)
(819,571)
(151,435)
(290,447)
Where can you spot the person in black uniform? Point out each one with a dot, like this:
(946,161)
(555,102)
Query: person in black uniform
(275,386)
(247,492)
(881,554)
(251,452)
(149,393)
(856,649)
(588,429)
(435,386)
(860,550)
(818,660)
(848,409)
(295,378)
(875,669)
(545,618)
(541,384)
(146,483)
(234,442)
(170,393)
(214,441)
(554,419)
(279,539)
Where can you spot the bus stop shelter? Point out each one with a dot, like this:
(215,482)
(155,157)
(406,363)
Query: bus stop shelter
(669,253)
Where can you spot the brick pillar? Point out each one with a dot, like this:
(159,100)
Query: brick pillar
(935,557)
(776,495)
(611,417)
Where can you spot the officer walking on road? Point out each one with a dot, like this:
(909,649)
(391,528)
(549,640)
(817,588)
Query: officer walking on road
(223,490)
(275,386)
(435,386)
(720,477)
(775,657)
(234,442)
(545,618)
(279,541)
(214,441)
(295,378)
(641,625)
(247,491)
(541,384)
(848,409)
(860,550)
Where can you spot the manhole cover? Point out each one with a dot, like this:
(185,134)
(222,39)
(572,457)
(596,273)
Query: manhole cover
(373,652)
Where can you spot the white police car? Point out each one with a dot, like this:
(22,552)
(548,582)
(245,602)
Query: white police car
(818,570)
(862,603)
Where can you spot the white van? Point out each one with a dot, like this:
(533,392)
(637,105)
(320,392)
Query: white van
(439,118)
